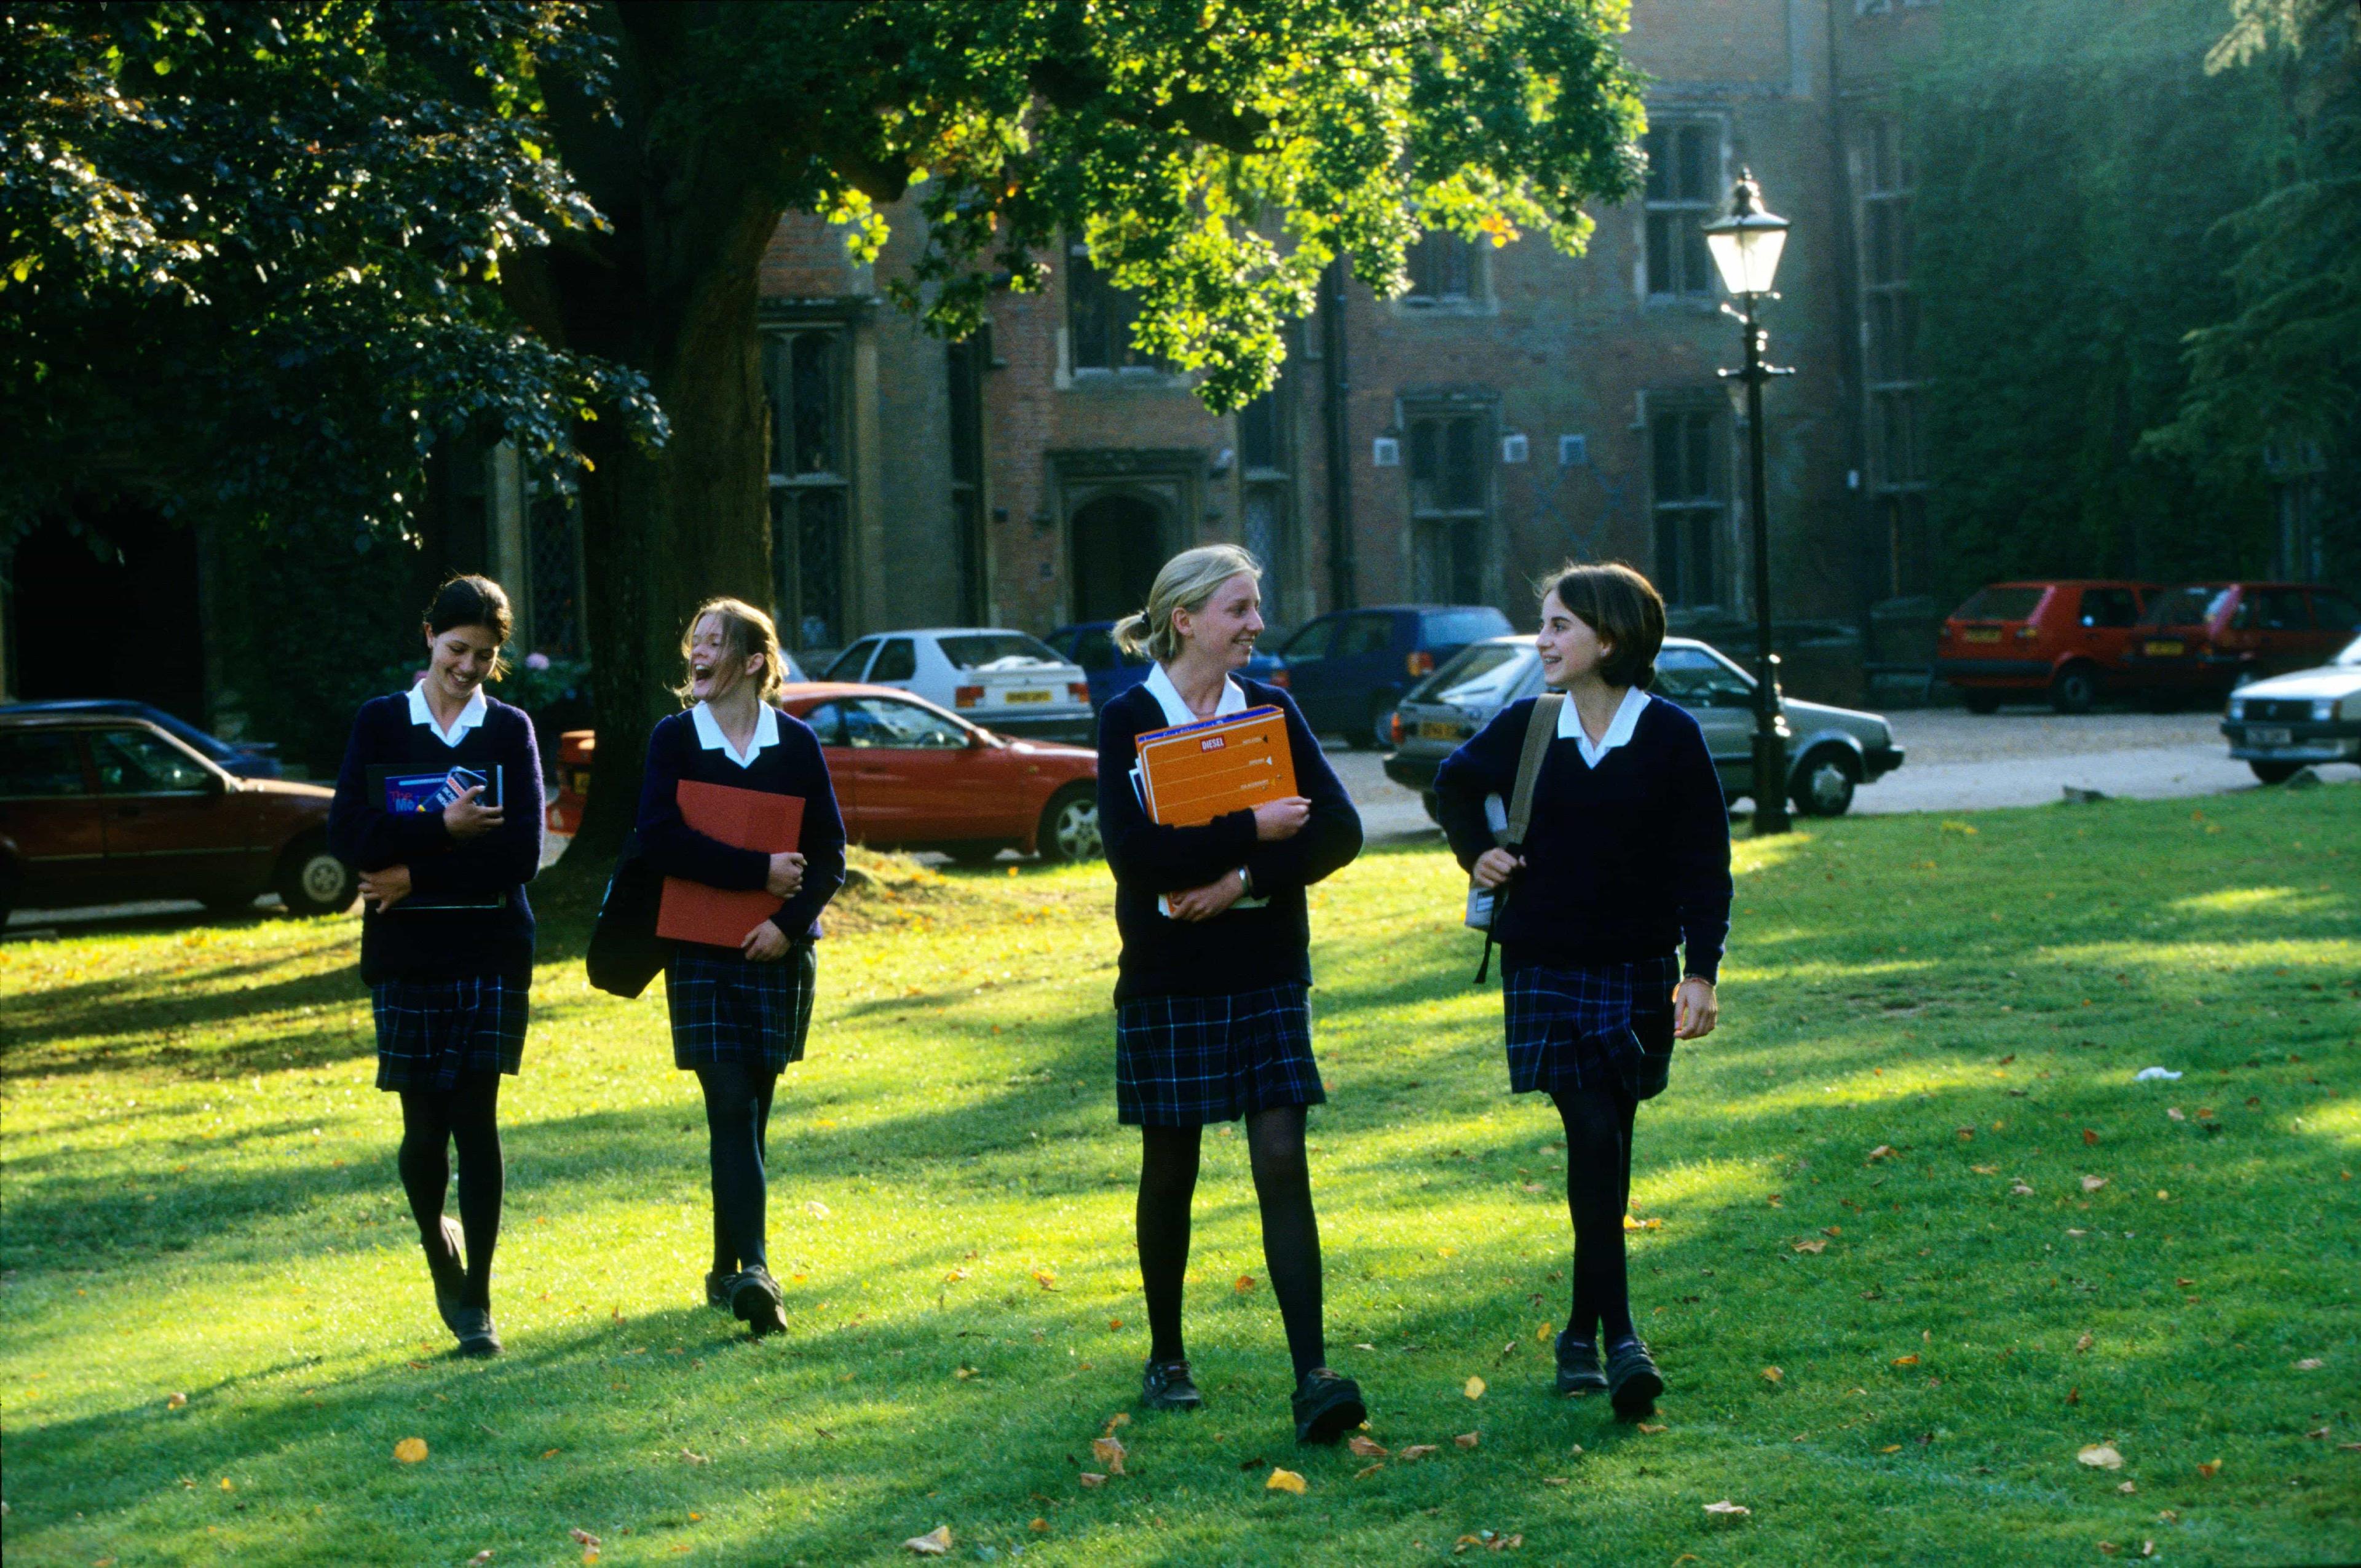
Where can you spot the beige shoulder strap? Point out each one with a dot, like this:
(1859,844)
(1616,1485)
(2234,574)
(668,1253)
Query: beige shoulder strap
(1539,733)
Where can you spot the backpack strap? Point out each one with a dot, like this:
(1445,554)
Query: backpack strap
(1541,728)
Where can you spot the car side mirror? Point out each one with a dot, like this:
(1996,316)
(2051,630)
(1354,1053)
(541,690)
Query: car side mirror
(216,785)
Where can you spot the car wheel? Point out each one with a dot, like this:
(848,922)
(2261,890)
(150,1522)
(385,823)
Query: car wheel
(1824,784)
(2276,772)
(1069,826)
(1978,701)
(1428,800)
(313,881)
(2076,689)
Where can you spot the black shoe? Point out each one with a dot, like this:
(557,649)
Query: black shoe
(1577,1365)
(450,1272)
(718,1286)
(1165,1386)
(1327,1406)
(755,1301)
(476,1335)
(1632,1380)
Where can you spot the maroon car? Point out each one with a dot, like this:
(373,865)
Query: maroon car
(2207,638)
(111,809)
(2060,641)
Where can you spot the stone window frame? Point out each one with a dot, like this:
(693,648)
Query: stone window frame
(1421,298)
(1884,186)
(1709,515)
(1690,209)
(1475,524)
(812,611)
(1083,288)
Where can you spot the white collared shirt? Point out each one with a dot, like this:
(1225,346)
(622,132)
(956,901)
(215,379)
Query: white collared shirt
(709,735)
(1618,729)
(1177,711)
(470,716)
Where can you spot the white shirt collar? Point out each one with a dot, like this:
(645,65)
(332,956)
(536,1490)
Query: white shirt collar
(469,716)
(1176,711)
(709,735)
(1618,729)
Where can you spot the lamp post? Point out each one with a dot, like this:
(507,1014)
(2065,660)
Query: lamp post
(1746,245)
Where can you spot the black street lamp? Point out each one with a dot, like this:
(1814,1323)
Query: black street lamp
(1746,245)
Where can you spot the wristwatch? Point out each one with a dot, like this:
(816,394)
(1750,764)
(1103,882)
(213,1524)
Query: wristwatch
(1245,884)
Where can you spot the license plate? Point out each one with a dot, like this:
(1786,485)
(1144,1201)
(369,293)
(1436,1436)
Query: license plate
(2268,735)
(2165,650)
(1437,730)
(1983,636)
(1028,697)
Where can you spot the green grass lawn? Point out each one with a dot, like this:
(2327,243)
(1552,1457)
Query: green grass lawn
(216,1325)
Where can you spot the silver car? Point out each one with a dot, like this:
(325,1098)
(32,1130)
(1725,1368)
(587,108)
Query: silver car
(1002,680)
(1830,751)
(2289,722)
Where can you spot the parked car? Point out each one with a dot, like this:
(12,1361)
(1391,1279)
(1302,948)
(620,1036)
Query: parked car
(1111,672)
(1348,668)
(2065,641)
(1831,751)
(2281,725)
(247,759)
(911,775)
(109,809)
(2208,639)
(1011,681)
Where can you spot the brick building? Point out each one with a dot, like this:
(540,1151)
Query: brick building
(1514,407)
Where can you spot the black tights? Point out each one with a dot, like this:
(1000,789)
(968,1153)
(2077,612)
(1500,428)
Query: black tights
(1598,1194)
(738,1124)
(1290,1231)
(433,1120)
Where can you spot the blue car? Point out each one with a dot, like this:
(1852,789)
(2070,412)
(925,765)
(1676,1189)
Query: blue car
(246,760)
(1349,668)
(1112,672)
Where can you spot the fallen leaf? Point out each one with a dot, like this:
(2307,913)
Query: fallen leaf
(1284,1481)
(410,1449)
(1631,1224)
(816,1209)
(1832,1230)
(1651,1428)
(2174,1111)
(1772,1375)
(551,1453)
(2089,1136)
(1114,1324)
(174,1401)
(2101,1456)
(584,1537)
(2093,1183)
(1244,1283)
(2210,1469)
(1365,1471)
(1040,1526)
(1047,1280)
(1729,1509)
(1091,1478)
(2084,1342)
(1891,1448)
(1366,1448)
(1911,1360)
(936,1542)
(2185,1284)
(2074,1396)
(1468,1439)
(1109,1452)
(955,1276)
(962,1373)
(1882,1151)
(2309,1363)
(1415,1452)
(1815,1245)
(2128,1487)
(480,1558)
(1120,1419)
(2020,1191)
(693,1458)
(1986,1170)
(1531,1187)
(1557,1481)
(1473,1388)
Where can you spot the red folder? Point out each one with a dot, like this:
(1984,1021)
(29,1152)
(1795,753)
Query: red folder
(745,819)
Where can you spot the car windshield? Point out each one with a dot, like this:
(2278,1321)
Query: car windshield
(1474,672)
(2351,658)
(2000,604)
(1456,626)
(2186,607)
(997,650)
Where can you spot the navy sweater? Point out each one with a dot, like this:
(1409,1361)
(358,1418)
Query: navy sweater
(794,766)
(1624,860)
(1238,949)
(438,944)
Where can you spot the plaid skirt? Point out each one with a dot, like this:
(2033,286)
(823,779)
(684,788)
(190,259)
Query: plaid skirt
(1598,1027)
(430,1031)
(1182,1061)
(725,1007)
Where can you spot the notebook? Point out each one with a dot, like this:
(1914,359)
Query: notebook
(745,819)
(405,791)
(1193,772)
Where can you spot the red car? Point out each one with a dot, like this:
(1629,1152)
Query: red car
(909,775)
(2207,638)
(105,808)
(2065,642)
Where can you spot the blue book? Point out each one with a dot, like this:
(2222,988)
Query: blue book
(404,794)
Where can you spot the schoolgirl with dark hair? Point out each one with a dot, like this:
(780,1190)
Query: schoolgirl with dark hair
(1626,859)
(446,934)
(1213,1019)
(740,1015)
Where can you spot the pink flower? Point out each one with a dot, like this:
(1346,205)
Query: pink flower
(536,660)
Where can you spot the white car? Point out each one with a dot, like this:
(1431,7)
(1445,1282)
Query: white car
(2289,722)
(1002,680)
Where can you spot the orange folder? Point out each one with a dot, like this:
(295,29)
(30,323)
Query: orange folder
(1193,773)
(746,819)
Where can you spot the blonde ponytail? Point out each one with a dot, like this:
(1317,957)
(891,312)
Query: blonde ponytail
(1189,582)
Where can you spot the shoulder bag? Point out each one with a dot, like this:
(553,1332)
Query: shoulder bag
(1484,904)
(625,951)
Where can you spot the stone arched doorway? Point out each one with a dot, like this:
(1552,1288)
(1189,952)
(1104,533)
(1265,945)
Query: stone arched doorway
(1118,543)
